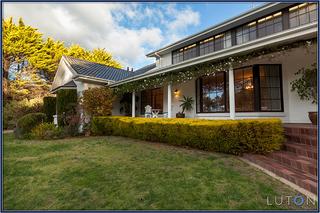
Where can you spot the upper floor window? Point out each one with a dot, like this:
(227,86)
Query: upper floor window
(177,56)
(302,14)
(190,52)
(246,33)
(270,24)
(215,43)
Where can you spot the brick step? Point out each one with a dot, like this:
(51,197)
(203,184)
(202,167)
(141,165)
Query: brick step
(308,182)
(299,162)
(304,139)
(300,129)
(302,149)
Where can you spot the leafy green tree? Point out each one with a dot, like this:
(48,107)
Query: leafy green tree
(19,42)
(47,58)
(101,56)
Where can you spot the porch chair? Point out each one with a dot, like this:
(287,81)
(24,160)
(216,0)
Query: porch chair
(148,111)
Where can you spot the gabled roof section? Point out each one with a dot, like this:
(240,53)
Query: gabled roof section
(96,70)
(68,85)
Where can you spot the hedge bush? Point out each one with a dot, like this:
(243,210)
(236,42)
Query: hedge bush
(47,131)
(228,136)
(27,122)
(66,104)
(49,107)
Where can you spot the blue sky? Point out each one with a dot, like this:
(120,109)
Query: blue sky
(127,30)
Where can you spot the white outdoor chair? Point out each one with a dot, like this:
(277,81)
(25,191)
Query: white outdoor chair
(148,111)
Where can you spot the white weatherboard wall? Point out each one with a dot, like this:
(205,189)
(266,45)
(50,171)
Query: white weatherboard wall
(295,110)
(63,75)
(165,60)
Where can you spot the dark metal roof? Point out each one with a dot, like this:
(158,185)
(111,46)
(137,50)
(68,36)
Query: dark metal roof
(143,70)
(70,84)
(91,69)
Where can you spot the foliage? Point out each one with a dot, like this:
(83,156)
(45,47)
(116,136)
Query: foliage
(48,57)
(18,43)
(67,100)
(27,122)
(97,101)
(71,125)
(208,68)
(186,103)
(306,84)
(49,107)
(14,110)
(47,131)
(229,136)
(28,84)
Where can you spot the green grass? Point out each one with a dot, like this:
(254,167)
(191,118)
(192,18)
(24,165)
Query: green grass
(119,173)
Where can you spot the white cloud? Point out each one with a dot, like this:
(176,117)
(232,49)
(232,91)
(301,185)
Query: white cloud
(128,31)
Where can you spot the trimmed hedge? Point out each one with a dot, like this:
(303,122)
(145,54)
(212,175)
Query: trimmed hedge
(49,107)
(26,123)
(228,136)
(67,100)
(47,131)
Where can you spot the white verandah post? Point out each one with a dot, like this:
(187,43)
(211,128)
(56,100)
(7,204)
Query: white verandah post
(169,100)
(231,94)
(133,104)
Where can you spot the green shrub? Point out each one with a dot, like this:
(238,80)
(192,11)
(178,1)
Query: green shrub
(228,136)
(66,104)
(49,107)
(47,131)
(27,122)
(13,110)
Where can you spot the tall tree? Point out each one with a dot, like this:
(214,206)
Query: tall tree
(19,42)
(101,56)
(48,57)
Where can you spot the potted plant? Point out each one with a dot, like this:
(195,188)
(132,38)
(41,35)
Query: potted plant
(186,105)
(306,88)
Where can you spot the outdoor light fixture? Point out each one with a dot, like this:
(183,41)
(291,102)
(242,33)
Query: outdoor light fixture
(176,93)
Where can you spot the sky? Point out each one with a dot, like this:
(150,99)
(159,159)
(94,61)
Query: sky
(127,30)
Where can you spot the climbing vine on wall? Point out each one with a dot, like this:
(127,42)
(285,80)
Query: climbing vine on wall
(208,68)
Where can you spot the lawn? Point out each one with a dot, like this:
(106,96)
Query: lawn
(120,173)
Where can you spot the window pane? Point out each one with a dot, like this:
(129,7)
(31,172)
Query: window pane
(244,93)
(270,90)
(214,96)
(302,14)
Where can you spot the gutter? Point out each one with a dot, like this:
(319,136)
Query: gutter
(287,35)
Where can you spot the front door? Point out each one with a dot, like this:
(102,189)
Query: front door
(152,97)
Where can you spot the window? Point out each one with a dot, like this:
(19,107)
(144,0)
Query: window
(246,33)
(270,24)
(152,97)
(302,14)
(207,46)
(244,89)
(211,91)
(190,52)
(177,56)
(258,88)
(270,89)
(215,43)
